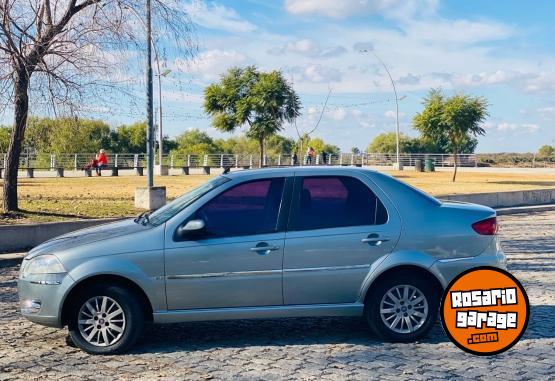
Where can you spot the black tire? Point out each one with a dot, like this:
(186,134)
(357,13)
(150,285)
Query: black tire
(378,291)
(133,317)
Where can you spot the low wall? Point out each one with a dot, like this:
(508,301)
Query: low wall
(506,199)
(22,237)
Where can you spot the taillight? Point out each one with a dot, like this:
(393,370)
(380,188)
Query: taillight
(486,227)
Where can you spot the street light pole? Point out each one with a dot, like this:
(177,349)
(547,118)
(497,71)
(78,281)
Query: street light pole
(160,129)
(149,197)
(149,99)
(397,135)
(159,75)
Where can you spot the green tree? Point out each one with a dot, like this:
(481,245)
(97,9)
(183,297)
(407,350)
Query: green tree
(546,151)
(277,144)
(66,135)
(386,143)
(244,96)
(5,133)
(196,142)
(237,145)
(129,138)
(456,119)
(355,150)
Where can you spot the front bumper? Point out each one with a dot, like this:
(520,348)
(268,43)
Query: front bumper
(41,302)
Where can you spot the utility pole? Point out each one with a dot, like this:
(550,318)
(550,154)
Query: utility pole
(149,197)
(149,99)
(398,165)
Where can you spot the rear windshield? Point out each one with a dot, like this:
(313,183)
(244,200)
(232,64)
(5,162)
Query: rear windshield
(166,212)
(421,193)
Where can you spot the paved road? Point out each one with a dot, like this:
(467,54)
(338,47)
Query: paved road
(311,349)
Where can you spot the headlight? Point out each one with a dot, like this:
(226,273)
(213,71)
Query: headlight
(43,264)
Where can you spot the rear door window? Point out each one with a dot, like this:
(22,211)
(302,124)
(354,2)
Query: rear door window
(336,201)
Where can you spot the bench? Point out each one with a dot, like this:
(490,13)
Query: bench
(30,171)
(185,170)
(115,170)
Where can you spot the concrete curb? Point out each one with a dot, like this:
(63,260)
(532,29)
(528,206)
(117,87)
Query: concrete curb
(10,259)
(22,237)
(15,238)
(506,199)
(525,209)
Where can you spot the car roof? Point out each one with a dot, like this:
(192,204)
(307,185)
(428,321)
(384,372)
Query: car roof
(298,169)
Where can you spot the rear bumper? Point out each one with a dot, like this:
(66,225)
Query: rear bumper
(447,269)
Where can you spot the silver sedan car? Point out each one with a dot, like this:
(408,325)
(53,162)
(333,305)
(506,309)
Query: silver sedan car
(270,243)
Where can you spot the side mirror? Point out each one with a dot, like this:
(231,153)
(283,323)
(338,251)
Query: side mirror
(191,228)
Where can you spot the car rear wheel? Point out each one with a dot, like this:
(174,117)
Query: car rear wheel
(106,320)
(402,309)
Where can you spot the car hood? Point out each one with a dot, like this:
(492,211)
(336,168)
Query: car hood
(86,236)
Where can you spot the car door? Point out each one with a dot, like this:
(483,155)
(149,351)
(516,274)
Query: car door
(236,260)
(338,227)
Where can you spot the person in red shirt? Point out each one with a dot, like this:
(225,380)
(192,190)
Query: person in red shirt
(102,162)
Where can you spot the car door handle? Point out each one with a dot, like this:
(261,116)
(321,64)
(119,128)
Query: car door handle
(374,240)
(264,249)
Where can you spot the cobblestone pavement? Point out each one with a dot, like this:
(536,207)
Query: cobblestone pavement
(322,348)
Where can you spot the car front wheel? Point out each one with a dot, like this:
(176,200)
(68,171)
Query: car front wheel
(106,320)
(402,309)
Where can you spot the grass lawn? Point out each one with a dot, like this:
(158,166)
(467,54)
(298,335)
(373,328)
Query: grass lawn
(55,199)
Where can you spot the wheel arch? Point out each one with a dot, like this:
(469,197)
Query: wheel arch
(106,279)
(409,262)
(409,269)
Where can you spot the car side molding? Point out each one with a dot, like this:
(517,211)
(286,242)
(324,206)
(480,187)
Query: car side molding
(265,312)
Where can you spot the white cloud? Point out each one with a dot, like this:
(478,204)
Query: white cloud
(314,73)
(547,113)
(393,115)
(540,82)
(339,9)
(439,30)
(525,127)
(212,63)
(338,114)
(216,16)
(320,73)
(308,48)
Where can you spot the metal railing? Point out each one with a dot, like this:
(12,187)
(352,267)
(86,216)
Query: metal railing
(129,160)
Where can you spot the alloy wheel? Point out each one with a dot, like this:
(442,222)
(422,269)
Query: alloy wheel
(101,321)
(404,309)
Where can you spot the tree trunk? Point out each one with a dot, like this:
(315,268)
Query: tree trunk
(261,144)
(455,159)
(21,108)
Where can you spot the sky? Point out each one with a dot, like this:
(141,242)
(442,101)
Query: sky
(502,50)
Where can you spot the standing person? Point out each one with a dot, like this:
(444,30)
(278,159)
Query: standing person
(310,153)
(324,157)
(102,162)
(295,159)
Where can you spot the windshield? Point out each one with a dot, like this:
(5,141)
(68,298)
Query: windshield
(169,210)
